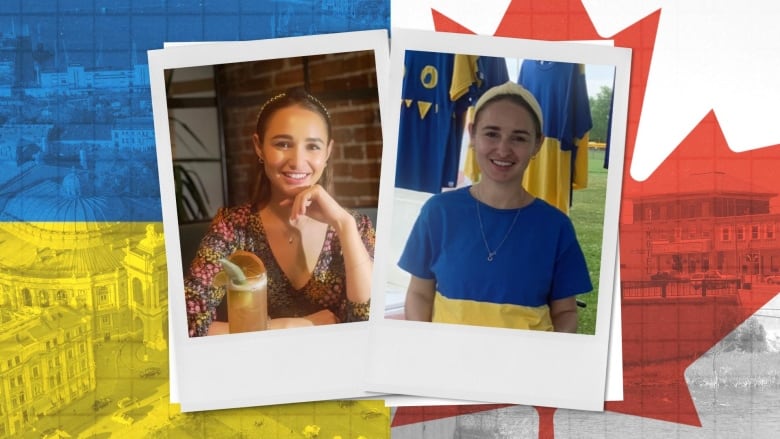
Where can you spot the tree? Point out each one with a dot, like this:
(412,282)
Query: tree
(748,337)
(600,107)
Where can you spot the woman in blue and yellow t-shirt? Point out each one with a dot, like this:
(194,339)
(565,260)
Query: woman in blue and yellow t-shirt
(492,254)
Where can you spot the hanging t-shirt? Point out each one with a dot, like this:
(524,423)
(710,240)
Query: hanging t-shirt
(438,90)
(425,140)
(473,75)
(562,162)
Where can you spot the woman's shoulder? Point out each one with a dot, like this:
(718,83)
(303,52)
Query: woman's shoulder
(240,209)
(450,197)
(549,213)
(447,204)
(364,217)
(454,194)
(240,214)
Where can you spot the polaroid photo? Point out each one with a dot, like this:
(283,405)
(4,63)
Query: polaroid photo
(217,173)
(474,350)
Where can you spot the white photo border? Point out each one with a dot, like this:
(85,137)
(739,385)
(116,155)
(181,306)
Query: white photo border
(497,365)
(270,367)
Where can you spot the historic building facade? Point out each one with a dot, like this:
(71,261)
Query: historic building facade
(711,222)
(65,286)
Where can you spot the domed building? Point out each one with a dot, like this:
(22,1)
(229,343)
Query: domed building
(69,278)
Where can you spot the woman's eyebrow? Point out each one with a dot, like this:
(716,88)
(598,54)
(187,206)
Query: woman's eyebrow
(289,137)
(497,128)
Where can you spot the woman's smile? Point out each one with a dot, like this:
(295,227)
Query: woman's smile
(296,176)
(502,163)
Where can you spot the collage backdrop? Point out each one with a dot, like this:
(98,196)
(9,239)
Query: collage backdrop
(83,277)
(699,252)
(83,295)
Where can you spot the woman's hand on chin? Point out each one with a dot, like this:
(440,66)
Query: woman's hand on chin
(316,203)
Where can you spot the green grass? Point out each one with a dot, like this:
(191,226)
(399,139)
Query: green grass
(587,214)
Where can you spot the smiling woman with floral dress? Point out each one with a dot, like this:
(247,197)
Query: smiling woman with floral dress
(318,255)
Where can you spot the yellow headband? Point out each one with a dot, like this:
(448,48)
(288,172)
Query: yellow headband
(511,88)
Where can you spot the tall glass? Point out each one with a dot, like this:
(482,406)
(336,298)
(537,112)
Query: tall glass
(248,305)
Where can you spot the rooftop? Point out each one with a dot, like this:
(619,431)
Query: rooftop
(707,183)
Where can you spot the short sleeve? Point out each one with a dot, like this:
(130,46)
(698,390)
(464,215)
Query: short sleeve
(417,256)
(201,297)
(367,233)
(354,311)
(571,276)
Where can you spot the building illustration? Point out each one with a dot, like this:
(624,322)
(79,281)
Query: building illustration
(66,287)
(707,222)
(701,248)
(48,362)
(83,280)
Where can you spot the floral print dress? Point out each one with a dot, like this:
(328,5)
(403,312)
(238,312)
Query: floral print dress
(240,228)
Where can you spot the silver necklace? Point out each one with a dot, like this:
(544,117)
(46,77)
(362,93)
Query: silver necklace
(290,234)
(492,253)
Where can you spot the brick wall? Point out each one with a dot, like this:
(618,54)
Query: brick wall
(344,82)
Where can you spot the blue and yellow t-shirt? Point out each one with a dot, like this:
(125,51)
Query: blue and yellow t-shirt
(539,262)
(438,89)
(427,144)
(562,163)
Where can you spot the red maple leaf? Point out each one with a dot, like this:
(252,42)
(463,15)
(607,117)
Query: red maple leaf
(662,340)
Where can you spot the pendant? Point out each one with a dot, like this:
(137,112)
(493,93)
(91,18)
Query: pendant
(490,256)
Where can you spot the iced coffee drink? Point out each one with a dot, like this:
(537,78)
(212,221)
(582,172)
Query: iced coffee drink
(248,304)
